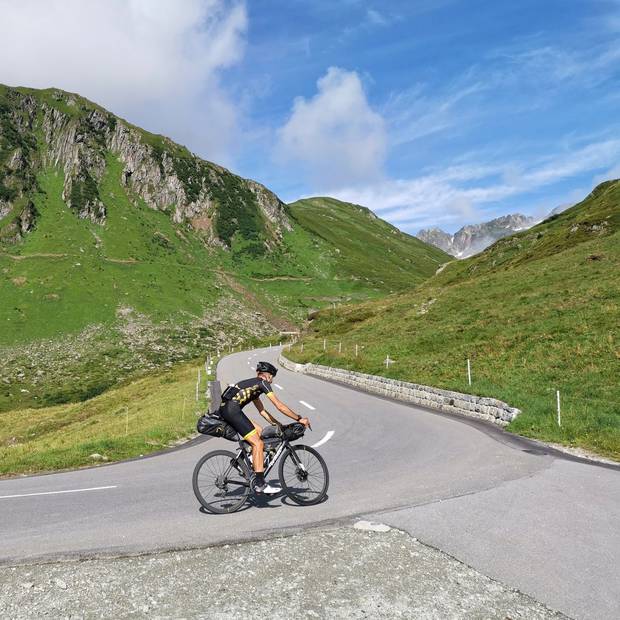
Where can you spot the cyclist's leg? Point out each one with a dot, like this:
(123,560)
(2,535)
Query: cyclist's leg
(258,449)
(233,415)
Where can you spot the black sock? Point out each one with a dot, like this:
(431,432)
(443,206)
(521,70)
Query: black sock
(260,477)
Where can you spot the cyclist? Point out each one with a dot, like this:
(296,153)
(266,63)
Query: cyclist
(236,396)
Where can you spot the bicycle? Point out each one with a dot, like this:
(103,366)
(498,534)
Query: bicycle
(222,480)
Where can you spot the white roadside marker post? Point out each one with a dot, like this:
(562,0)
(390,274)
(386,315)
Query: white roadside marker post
(126,421)
(302,347)
(388,361)
(324,344)
(557,393)
(340,347)
(468,371)
(183,413)
(198,385)
(355,350)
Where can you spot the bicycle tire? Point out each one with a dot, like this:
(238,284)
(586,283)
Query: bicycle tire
(223,500)
(296,486)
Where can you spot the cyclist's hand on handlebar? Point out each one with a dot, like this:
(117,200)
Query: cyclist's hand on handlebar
(305,422)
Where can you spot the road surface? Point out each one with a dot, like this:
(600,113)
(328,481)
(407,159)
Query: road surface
(545,525)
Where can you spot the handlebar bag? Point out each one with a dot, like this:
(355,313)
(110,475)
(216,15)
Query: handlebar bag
(293,431)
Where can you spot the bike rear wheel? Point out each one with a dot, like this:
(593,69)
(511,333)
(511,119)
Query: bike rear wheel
(304,476)
(220,482)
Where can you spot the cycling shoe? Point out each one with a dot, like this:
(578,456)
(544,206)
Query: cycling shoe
(266,488)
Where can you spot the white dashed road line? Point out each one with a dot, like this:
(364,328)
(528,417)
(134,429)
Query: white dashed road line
(325,439)
(305,404)
(57,492)
(278,386)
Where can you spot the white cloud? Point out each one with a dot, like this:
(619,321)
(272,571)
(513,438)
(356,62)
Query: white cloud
(335,137)
(462,192)
(555,67)
(377,19)
(158,63)
(412,114)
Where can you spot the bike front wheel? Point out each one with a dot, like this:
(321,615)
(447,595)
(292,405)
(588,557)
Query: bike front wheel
(221,483)
(304,476)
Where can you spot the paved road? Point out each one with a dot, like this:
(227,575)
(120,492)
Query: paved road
(545,525)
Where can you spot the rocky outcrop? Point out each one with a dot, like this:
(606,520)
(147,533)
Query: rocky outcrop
(20,225)
(80,137)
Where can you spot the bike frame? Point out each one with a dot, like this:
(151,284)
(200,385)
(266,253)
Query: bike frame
(283,447)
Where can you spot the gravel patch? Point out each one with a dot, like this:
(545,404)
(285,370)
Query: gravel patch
(345,572)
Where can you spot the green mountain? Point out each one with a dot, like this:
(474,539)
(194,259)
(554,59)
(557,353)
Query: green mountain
(121,252)
(536,312)
(367,248)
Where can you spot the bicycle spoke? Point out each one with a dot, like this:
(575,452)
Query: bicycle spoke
(304,475)
(220,483)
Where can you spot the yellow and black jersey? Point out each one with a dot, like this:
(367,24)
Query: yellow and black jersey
(249,390)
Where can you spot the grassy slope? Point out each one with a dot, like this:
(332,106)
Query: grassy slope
(138,418)
(70,273)
(368,249)
(536,312)
(72,279)
(336,252)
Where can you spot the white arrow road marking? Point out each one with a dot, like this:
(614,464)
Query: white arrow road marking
(325,439)
(278,386)
(58,492)
(305,404)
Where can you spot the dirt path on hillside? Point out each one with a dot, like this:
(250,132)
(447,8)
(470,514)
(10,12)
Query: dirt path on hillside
(291,278)
(123,261)
(277,321)
(36,255)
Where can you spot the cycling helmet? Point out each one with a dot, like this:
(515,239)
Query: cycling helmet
(266,367)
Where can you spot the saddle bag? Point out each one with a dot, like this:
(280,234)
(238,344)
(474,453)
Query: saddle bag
(216,427)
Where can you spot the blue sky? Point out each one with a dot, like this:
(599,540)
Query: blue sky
(430,112)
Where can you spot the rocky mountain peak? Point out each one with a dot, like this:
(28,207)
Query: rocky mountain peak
(474,238)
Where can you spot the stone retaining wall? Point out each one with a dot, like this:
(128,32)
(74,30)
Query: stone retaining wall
(489,409)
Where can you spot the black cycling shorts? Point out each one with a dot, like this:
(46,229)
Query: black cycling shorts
(231,413)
